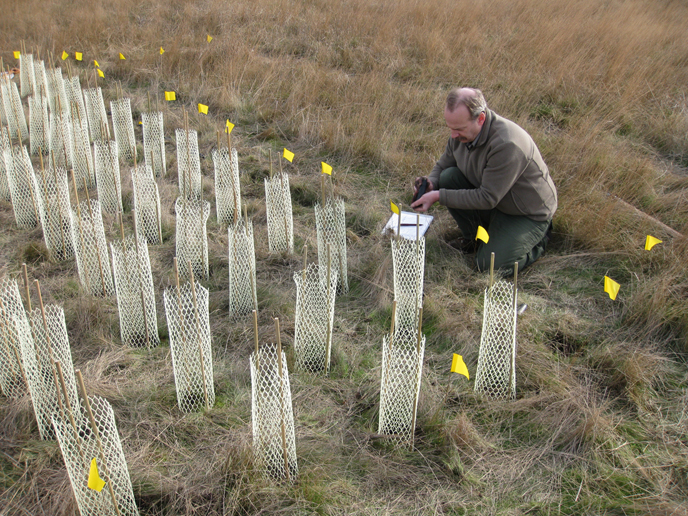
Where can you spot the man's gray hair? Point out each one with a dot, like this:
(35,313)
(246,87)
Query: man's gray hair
(472,98)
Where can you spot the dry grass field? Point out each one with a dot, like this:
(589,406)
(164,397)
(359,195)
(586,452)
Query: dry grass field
(600,422)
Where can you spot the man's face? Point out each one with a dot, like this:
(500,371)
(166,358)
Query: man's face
(462,127)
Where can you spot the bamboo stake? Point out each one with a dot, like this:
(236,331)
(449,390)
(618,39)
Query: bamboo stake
(492,260)
(328,338)
(322,189)
(198,340)
(70,412)
(399,223)
(515,284)
(415,381)
(81,233)
(95,237)
(94,427)
(270,150)
(281,394)
(255,334)
(305,264)
(26,286)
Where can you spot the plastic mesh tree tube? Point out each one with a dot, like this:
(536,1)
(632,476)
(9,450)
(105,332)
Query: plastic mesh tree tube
(123,127)
(39,124)
(23,188)
(188,164)
(56,213)
(192,237)
(90,247)
(97,116)
(242,269)
(330,225)
(274,443)
(42,87)
(16,120)
(135,293)
(495,376)
(147,205)
(227,188)
(314,318)
(61,139)
(57,95)
(108,176)
(402,366)
(75,99)
(189,328)
(92,434)
(27,76)
(154,142)
(14,328)
(5,164)
(279,214)
(82,156)
(408,257)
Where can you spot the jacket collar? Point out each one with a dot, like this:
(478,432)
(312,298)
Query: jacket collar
(485,131)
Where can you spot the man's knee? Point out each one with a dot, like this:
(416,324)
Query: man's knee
(453,179)
(483,259)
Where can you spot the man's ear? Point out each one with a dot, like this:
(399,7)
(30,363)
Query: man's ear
(481,118)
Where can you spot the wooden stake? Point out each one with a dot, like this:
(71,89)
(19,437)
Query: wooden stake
(492,259)
(515,284)
(305,264)
(281,394)
(198,339)
(415,381)
(322,189)
(70,412)
(328,338)
(26,287)
(255,333)
(270,150)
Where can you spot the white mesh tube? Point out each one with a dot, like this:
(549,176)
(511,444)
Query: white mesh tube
(57,95)
(97,116)
(495,376)
(314,318)
(23,188)
(189,329)
(274,443)
(5,164)
(27,75)
(14,329)
(330,225)
(192,237)
(40,355)
(75,98)
(16,119)
(90,247)
(402,367)
(82,155)
(56,213)
(39,125)
(188,164)
(61,139)
(408,258)
(82,445)
(108,176)
(154,142)
(279,214)
(242,269)
(42,87)
(227,188)
(123,127)
(147,204)
(135,293)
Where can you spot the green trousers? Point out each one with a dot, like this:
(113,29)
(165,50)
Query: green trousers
(513,238)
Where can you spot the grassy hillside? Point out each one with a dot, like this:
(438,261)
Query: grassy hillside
(599,424)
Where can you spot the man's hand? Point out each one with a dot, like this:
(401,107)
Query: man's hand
(418,182)
(424,203)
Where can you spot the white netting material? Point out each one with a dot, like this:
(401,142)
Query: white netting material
(135,293)
(154,142)
(42,87)
(82,155)
(39,124)
(14,328)
(57,95)
(108,176)
(56,213)
(97,116)
(79,446)
(227,187)
(147,204)
(402,367)
(330,225)
(90,247)
(5,164)
(192,361)
(14,111)
(495,376)
(188,164)
(23,187)
(27,76)
(192,237)
(408,258)
(60,134)
(123,126)
(314,318)
(75,98)
(274,443)
(39,355)
(279,214)
(242,269)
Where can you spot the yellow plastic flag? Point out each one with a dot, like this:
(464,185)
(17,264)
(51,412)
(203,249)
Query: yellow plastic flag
(651,241)
(202,108)
(288,155)
(459,366)
(326,169)
(95,63)
(209,38)
(17,54)
(65,55)
(79,56)
(122,58)
(94,481)
(162,51)
(170,95)
(394,208)
(100,72)
(482,235)
(229,126)
(611,287)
